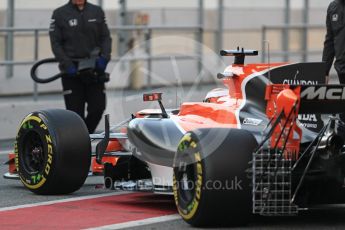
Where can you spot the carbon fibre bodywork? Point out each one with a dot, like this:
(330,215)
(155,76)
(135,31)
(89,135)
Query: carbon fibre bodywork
(243,107)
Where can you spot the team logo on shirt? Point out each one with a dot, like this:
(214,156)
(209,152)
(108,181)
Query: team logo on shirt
(335,17)
(73,22)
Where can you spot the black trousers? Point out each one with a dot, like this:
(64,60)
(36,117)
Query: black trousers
(79,93)
(341,78)
(340,128)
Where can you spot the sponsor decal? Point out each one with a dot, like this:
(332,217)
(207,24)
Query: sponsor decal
(252,121)
(307,117)
(309,121)
(295,81)
(323,93)
(300,82)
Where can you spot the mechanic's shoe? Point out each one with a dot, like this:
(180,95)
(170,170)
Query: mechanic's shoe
(12,170)
(11,164)
(12,176)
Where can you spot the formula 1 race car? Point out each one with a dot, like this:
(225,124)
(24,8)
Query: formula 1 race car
(258,146)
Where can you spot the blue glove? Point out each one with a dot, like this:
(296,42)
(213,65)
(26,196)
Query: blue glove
(71,71)
(101,64)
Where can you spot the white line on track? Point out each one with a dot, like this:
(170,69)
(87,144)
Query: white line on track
(138,223)
(61,201)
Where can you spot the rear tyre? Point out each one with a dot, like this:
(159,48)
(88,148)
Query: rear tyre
(211,186)
(53,152)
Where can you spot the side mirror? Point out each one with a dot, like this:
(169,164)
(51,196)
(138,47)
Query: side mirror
(152,97)
(156,97)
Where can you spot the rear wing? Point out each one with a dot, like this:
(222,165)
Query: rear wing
(322,99)
(239,54)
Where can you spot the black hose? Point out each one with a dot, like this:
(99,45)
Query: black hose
(46,80)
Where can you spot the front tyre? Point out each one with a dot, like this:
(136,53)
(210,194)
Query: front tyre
(53,152)
(211,186)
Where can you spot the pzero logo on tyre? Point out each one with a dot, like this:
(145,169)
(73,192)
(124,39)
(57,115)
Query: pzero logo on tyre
(34,152)
(189,208)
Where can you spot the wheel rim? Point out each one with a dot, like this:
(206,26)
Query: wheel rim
(33,152)
(186,181)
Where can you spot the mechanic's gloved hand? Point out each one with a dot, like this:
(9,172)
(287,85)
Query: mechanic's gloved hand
(101,64)
(71,71)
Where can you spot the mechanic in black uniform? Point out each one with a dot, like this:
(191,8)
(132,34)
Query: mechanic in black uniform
(334,46)
(76,30)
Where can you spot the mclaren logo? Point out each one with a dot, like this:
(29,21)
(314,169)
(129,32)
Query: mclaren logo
(323,93)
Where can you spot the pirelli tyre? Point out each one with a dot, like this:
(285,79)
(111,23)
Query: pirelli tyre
(52,152)
(211,186)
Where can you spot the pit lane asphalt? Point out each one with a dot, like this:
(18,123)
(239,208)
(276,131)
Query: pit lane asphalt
(12,193)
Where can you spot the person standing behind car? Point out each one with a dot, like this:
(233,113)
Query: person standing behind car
(334,44)
(334,47)
(76,30)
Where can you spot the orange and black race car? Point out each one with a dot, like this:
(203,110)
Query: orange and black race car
(265,144)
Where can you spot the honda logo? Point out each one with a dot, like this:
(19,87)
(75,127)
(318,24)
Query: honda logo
(73,22)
